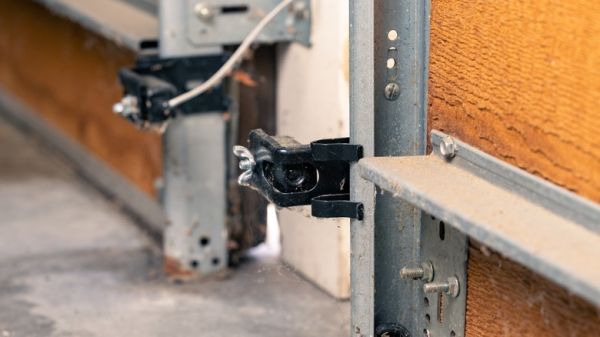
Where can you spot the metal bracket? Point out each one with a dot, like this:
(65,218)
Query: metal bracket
(544,227)
(194,27)
(288,173)
(227,22)
(445,294)
(153,81)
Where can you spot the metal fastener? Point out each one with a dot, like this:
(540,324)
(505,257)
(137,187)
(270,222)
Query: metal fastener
(126,107)
(424,272)
(300,10)
(451,287)
(204,12)
(392,91)
(247,164)
(448,147)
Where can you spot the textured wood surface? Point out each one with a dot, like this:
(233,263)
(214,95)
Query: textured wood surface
(69,76)
(521,81)
(506,299)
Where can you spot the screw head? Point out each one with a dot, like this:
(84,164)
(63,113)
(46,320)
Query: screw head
(300,10)
(392,91)
(448,148)
(204,12)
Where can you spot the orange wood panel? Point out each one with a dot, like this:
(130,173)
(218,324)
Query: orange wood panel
(521,81)
(69,76)
(506,299)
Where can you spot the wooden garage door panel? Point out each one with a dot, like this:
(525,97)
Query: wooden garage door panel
(69,76)
(521,81)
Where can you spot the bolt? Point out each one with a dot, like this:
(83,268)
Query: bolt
(300,10)
(451,287)
(204,12)
(392,91)
(118,108)
(126,107)
(246,165)
(413,273)
(448,147)
(425,272)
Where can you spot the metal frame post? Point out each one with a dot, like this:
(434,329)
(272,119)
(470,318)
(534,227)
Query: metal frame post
(195,195)
(195,166)
(389,44)
(362,127)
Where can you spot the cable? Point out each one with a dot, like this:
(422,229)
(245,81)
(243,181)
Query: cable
(233,60)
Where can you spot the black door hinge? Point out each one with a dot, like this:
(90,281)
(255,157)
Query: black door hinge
(289,174)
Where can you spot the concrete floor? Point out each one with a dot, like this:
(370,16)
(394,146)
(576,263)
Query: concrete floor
(71,264)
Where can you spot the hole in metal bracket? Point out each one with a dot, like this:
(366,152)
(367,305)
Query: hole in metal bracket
(442,230)
(204,241)
(234,9)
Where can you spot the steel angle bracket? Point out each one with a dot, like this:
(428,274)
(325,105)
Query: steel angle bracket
(227,22)
(542,226)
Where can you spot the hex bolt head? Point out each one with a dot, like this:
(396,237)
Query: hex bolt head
(204,12)
(448,147)
(451,287)
(392,91)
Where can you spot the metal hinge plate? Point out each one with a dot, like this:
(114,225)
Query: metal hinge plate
(446,249)
(227,22)
(288,173)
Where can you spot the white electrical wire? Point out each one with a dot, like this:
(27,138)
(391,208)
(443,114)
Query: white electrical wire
(233,60)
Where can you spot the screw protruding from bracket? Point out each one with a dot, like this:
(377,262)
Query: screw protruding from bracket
(127,106)
(424,272)
(450,287)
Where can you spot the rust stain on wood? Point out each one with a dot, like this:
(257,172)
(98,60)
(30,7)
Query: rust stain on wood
(69,76)
(521,81)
